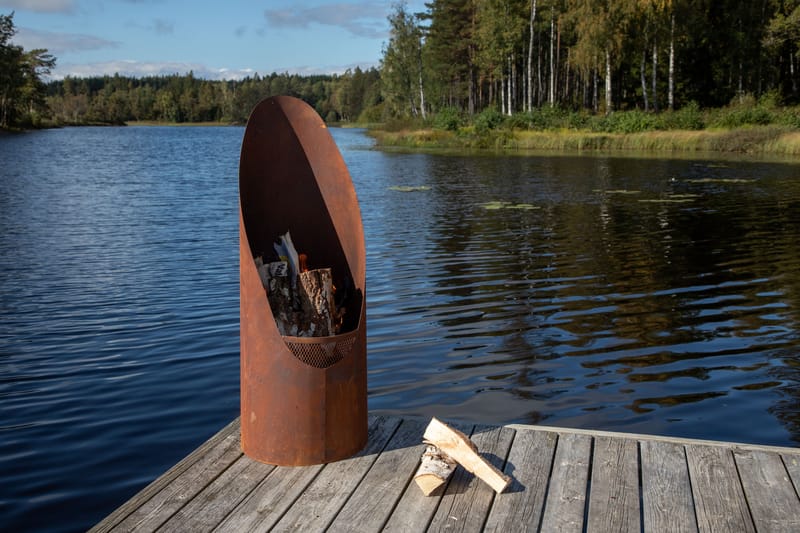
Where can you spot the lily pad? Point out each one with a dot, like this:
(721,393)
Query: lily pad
(509,205)
(666,200)
(720,180)
(616,191)
(409,188)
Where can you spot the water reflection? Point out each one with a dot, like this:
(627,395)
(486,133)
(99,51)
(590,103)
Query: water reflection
(644,295)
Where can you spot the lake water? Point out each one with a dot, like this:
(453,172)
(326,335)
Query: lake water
(630,294)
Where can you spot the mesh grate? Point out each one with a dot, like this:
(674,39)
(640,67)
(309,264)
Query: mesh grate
(321,352)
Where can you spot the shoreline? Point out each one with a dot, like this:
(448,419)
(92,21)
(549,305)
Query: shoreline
(768,142)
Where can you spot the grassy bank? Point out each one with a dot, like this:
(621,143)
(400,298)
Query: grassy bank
(746,128)
(764,140)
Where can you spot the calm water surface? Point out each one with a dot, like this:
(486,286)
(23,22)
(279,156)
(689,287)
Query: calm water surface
(645,295)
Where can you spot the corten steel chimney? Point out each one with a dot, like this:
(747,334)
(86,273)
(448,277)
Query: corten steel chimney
(303,400)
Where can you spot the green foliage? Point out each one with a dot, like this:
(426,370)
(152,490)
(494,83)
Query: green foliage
(21,89)
(634,121)
(689,117)
(401,66)
(448,118)
(743,111)
(488,119)
(372,114)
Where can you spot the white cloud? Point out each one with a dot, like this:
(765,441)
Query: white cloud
(42,6)
(139,69)
(60,43)
(363,19)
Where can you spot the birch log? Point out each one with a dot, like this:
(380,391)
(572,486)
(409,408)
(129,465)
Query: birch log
(317,308)
(434,470)
(458,446)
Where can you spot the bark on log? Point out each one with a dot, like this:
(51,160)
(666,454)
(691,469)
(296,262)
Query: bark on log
(434,470)
(317,308)
(304,309)
(458,446)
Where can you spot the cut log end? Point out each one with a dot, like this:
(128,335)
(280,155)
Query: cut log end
(434,470)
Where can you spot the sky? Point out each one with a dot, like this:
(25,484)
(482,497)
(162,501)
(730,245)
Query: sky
(214,39)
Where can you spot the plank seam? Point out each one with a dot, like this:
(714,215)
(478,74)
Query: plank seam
(245,497)
(446,486)
(366,471)
(502,469)
(190,500)
(405,486)
(641,484)
(588,493)
(796,486)
(691,487)
(549,480)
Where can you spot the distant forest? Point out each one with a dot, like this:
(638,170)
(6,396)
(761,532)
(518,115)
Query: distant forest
(467,56)
(185,98)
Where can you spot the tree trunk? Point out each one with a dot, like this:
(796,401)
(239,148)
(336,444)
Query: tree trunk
(671,95)
(609,100)
(655,75)
(529,94)
(551,97)
(642,76)
(539,83)
(421,89)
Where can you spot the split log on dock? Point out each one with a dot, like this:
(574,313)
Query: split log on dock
(458,446)
(434,470)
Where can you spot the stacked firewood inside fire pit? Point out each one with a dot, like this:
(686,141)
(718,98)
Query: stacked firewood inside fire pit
(302,300)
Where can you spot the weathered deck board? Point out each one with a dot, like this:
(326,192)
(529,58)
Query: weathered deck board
(566,499)
(371,504)
(529,463)
(719,500)
(614,495)
(774,503)
(318,506)
(563,480)
(666,488)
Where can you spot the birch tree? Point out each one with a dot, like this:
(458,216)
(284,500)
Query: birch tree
(401,67)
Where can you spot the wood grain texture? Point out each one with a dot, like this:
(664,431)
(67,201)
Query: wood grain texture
(467,500)
(560,480)
(415,510)
(773,501)
(614,498)
(719,500)
(666,490)
(270,500)
(371,504)
(211,505)
(529,462)
(566,500)
(322,500)
(792,463)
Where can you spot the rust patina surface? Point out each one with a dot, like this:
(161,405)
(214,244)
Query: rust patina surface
(303,401)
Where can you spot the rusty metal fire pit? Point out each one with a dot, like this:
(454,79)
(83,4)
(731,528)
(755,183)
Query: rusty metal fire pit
(303,399)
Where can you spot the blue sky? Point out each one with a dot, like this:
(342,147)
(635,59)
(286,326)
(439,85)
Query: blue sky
(216,40)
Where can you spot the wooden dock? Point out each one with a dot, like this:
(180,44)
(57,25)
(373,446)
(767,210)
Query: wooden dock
(564,480)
